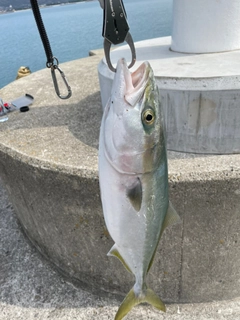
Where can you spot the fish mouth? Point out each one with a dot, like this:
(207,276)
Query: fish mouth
(135,82)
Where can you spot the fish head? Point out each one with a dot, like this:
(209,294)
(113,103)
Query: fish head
(133,125)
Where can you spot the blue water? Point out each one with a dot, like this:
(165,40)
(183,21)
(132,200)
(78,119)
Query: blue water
(73,31)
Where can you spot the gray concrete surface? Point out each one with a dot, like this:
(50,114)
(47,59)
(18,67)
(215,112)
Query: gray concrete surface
(200,94)
(31,288)
(48,164)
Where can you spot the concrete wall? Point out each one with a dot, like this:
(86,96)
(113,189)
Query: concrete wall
(202,121)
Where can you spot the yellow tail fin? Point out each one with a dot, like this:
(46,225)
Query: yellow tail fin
(132,300)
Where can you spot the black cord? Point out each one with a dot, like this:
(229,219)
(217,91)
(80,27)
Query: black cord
(42,32)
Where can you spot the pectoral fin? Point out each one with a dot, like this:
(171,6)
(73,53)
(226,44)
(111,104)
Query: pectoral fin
(134,194)
(114,252)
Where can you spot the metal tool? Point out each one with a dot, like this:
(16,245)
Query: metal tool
(116,29)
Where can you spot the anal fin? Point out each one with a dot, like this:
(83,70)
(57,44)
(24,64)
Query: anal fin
(171,218)
(114,252)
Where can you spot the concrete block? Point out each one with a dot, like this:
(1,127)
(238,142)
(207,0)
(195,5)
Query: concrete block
(31,288)
(48,163)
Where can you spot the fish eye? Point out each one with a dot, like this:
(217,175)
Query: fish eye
(148,116)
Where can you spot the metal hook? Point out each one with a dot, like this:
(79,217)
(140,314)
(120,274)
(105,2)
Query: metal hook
(107,48)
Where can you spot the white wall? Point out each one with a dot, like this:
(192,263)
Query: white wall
(205,25)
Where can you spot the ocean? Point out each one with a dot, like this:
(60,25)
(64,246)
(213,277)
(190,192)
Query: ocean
(73,31)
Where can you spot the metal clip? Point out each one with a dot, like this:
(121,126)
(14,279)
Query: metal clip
(116,29)
(56,67)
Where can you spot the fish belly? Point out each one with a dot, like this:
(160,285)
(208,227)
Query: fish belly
(135,233)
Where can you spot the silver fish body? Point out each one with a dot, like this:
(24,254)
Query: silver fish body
(133,177)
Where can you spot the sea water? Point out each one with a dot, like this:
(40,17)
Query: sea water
(73,31)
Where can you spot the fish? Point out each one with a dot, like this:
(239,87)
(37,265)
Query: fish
(133,177)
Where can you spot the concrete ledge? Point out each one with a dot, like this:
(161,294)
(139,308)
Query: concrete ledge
(48,164)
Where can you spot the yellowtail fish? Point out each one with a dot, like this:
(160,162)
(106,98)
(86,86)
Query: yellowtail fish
(133,177)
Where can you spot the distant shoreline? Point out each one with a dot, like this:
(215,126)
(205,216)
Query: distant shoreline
(44,6)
